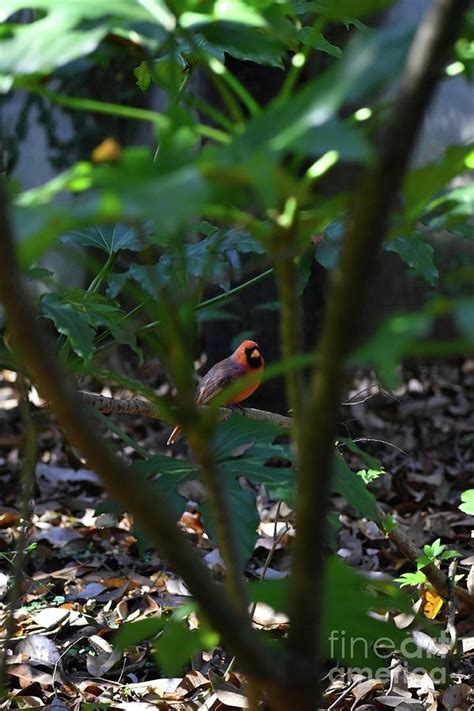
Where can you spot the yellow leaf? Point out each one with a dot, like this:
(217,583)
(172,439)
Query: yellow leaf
(432,603)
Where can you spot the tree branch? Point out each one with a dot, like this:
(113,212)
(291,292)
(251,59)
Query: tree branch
(364,235)
(136,406)
(435,576)
(151,510)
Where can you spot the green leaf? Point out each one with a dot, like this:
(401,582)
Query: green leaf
(389,524)
(417,253)
(434,550)
(418,578)
(447,555)
(350,634)
(271,592)
(352,487)
(132,633)
(311,37)
(243,448)
(178,644)
(467,497)
(244,515)
(155,11)
(143,76)
(236,11)
(42,47)
(452,210)
(39,273)
(108,238)
(348,9)
(167,473)
(368,459)
(368,475)
(421,184)
(244,43)
(71,322)
(102,312)
(74,29)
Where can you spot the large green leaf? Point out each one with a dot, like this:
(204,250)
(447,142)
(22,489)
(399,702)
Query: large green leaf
(176,645)
(155,11)
(245,518)
(78,315)
(310,36)
(243,43)
(417,253)
(108,238)
(61,35)
(46,44)
(72,323)
(352,487)
(167,473)
(351,634)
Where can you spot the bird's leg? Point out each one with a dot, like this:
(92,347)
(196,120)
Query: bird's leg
(237,407)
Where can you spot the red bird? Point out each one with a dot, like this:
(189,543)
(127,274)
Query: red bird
(245,360)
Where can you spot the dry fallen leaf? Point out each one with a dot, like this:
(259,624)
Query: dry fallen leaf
(458,697)
(432,603)
(49,617)
(39,649)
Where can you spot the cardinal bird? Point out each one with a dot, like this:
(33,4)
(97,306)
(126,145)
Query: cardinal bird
(245,360)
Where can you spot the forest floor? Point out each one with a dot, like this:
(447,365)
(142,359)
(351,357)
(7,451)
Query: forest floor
(86,574)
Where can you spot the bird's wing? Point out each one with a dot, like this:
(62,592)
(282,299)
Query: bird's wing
(216,379)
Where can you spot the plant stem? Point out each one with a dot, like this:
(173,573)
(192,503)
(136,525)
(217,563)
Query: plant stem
(366,229)
(130,112)
(221,297)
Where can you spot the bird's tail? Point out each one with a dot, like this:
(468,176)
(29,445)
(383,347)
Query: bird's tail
(174,436)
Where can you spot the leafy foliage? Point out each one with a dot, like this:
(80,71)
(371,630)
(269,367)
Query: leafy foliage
(467,502)
(227,186)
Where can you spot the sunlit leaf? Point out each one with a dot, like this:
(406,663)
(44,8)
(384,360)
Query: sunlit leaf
(467,498)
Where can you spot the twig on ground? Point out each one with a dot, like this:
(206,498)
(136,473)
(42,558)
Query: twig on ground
(450,622)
